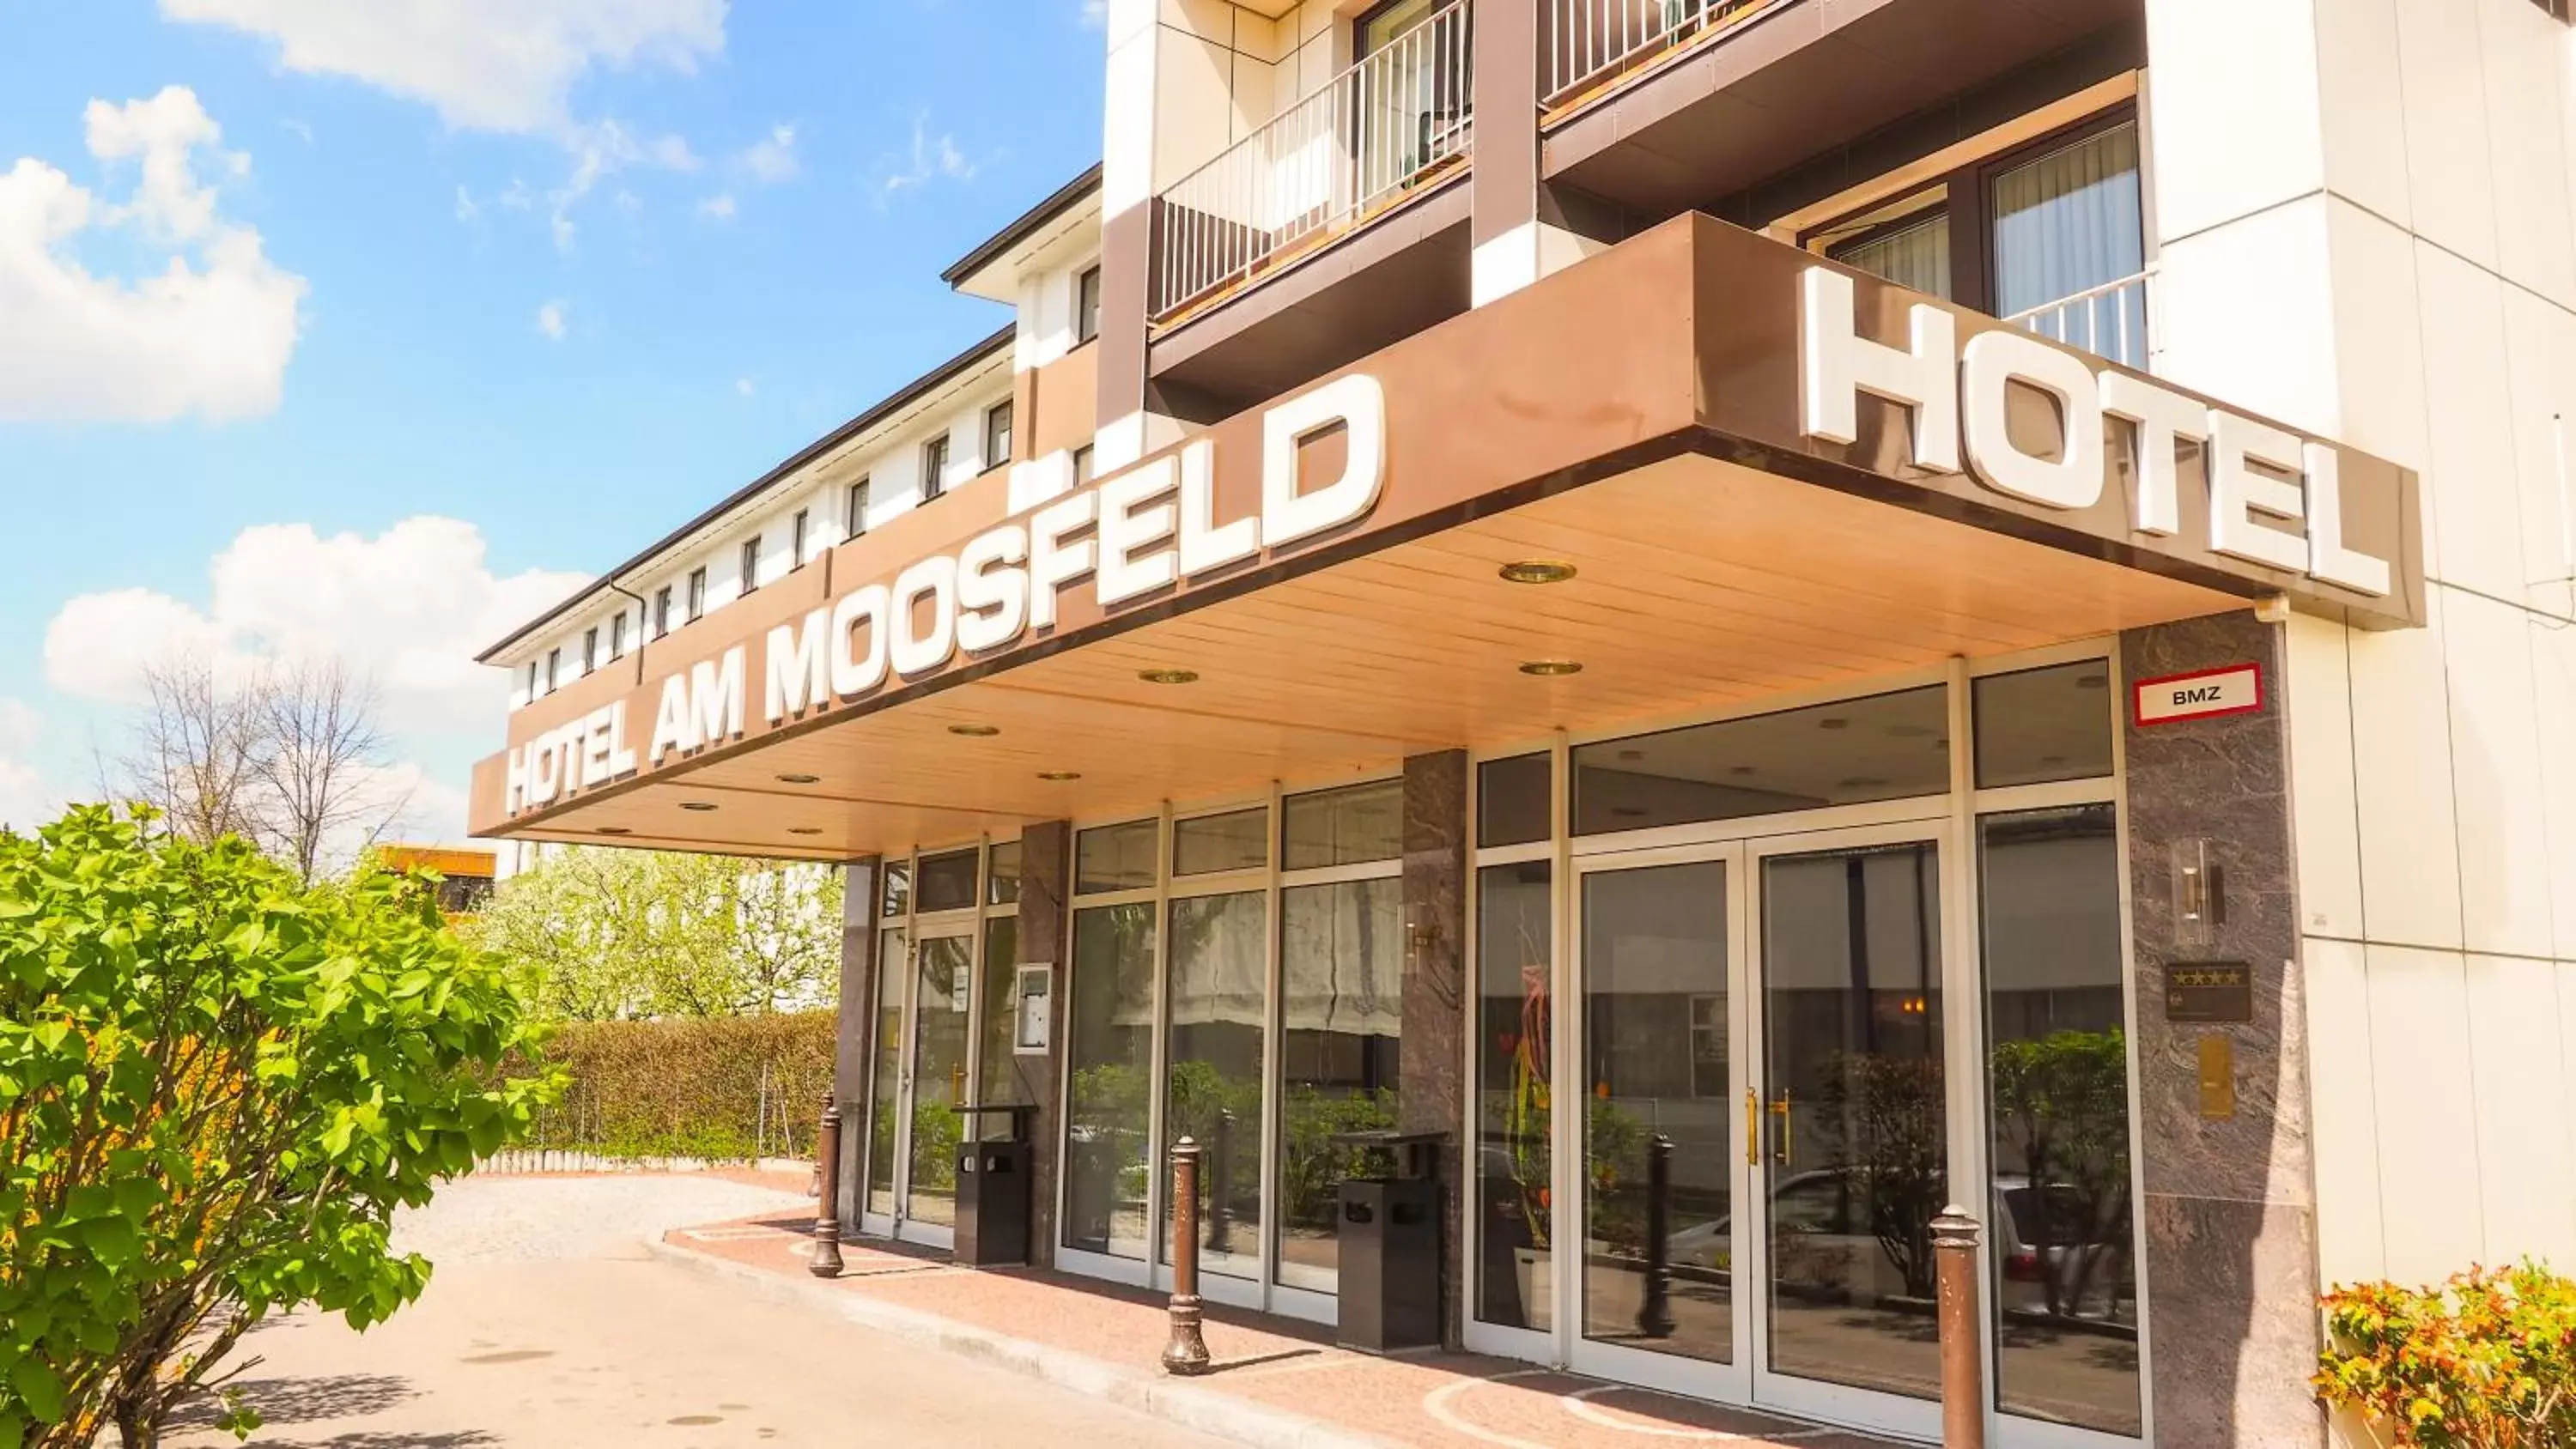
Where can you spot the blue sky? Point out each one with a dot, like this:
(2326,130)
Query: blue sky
(478,297)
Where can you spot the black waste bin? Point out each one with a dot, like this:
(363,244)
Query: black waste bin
(1391,1244)
(993,1191)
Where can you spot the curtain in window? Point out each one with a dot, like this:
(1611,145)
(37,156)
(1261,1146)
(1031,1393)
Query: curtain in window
(1916,256)
(2067,223)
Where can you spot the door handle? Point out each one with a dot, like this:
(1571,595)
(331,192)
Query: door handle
(1788,1148)
(1752,1128)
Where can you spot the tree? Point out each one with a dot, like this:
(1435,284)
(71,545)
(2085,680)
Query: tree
(217,1084)
(289,756)
(609,933)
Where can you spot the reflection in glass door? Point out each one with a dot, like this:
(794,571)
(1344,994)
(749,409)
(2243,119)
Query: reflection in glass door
(1660,1165)
(1853,1162)
(943,990)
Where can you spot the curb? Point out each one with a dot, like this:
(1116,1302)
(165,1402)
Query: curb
(1156,1396)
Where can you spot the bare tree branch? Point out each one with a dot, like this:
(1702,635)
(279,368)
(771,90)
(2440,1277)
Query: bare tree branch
(320,771)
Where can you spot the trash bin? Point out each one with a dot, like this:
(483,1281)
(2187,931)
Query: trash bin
(1391,1245)
(993,1191)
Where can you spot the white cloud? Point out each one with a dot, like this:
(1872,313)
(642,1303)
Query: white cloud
(298,129)
(408,609)
(207,329)
(773,159)
(550,320)
(466,207)
(1095,14)
(718,207)
(933,158)
(484,65)
(25,802)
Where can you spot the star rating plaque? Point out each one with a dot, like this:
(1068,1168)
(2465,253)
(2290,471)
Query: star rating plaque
(2209,992)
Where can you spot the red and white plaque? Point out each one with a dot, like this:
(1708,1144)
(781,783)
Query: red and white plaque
(2206,694)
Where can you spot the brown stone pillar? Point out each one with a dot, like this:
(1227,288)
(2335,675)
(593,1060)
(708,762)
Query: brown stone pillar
(1434,1063)
(1046,856)
(856,1028)
(2229,1220)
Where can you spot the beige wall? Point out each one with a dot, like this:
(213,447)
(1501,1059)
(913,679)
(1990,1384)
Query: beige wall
(2365,224)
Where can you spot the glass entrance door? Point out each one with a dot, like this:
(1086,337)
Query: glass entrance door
(943,989)
(1850,1106)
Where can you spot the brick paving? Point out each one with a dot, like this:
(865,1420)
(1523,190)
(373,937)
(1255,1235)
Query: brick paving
(1433,1401)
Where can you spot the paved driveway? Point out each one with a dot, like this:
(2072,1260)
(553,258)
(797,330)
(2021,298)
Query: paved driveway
(546,1324)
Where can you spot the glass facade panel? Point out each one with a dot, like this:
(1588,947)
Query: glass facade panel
(896,897)
(1109,1047)
(947,882)
(2039,725)
(1913,253)
(1001,1077)
(1512,804)
(942,992)
(1219,966)
(894,965)
(1002,882)
(1515,1165)
(1885,747)
(1655,1067)
(2062,1238)
(1856,1147)
(1236,840)
(1343,827)
(2068,222)
(1341,1021)
(1115,858)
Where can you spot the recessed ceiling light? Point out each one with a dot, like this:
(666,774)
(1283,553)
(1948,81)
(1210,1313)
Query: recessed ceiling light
(975,731)
(804,830)
(616,830)
(1168,676)
(800,779)
(1537,571)
(1551,668)
(698,805)
(1059,774)
(2093,681)
(1833,722)
(1739,769)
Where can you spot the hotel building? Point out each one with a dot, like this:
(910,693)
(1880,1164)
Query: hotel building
(1925,600)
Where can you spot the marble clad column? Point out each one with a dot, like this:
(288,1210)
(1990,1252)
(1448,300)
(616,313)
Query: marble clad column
(1433,1061)
(856,1020)
(1046,853)
(2229,1220)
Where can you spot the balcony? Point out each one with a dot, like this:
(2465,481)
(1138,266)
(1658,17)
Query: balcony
(1372,138)
(1595,46)
(2108,321)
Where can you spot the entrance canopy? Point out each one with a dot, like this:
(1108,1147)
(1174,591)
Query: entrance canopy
(1765,473)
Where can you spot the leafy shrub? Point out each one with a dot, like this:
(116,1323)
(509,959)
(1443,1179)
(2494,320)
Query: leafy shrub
(216,1086)
(720,1088)
(2486,1361)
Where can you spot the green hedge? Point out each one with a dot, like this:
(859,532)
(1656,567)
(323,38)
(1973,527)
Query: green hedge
(725,1089)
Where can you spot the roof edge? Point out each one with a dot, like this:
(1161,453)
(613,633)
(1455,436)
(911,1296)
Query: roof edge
(1064,199)
(909,393)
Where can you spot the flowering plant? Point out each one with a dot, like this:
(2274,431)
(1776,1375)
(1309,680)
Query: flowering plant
(2486,1361)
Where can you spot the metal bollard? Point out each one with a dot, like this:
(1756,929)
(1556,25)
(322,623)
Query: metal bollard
(1655,1316)
(1187,1352)
(1963,1386)
(826,1262)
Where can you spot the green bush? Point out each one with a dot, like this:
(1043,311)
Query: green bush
(216,1086)
(2486,1361)
(725,1088)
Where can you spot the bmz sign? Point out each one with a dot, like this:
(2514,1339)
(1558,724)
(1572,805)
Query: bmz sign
(2236,689)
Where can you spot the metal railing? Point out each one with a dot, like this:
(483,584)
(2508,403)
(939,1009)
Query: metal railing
(1592,42)
(2108,321)
(1360,143)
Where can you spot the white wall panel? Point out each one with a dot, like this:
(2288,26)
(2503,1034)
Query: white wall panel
(2443,93)
(2518,1059)
(2476,495)
(2239,128)
(2401,735)
(2495,765)
(2324,813)
(2522,49)
(2343,1083)
(2429,1181)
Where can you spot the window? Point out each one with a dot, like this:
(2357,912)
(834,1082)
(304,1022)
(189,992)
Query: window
(1385,22)
(554,669)
(1086,306)
(751,563)
(1342,827)
(1512,804)
(1514,1158)
(854,510)
(796,541)
(997,435)
(589,650)
(1002,882)
(1237,840)
(934,467)
(946,882)
(1082,465)
(2555,9)
(697,594)
(1115,858)
(617,636)
(532,679)
(2039,725)
(2049,234)
(662,611)
(1885,747)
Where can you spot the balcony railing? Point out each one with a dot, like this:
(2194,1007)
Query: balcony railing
(1370,137)
(1592,43)
(2108,321)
